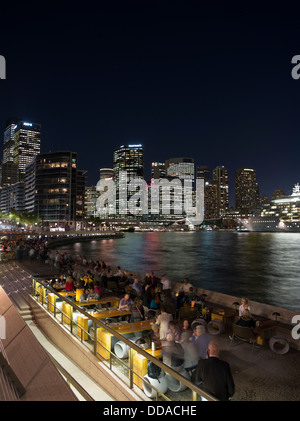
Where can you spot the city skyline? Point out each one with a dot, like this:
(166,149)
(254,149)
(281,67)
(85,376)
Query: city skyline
(9,151)
(211,83)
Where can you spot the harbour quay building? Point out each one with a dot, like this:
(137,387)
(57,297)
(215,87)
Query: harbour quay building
(55,188)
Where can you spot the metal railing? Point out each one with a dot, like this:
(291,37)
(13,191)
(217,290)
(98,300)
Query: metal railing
(41,293)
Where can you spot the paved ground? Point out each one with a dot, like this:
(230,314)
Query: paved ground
(259,374)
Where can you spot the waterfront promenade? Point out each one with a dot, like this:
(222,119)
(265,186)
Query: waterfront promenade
(259,375)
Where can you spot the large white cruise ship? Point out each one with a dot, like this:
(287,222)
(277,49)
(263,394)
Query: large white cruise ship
(279,215)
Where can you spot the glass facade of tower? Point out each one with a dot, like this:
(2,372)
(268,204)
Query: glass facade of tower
(9,142)
(9,168)
(59,188)
(246,189)
(158,170)
(179,169)
(128,164)
(27,142)
(220,177)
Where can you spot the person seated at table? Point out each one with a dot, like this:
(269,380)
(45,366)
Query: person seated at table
(172,353)
(126,302)
(185,300)
(244,305)
(84,295)
(118,273)
(192,295)
(155,301)
(137,311)
(174,329)
(186,328)
(246,319)
(61,280)
(154,335)
(92,293)
(201,339)
(185,286)
(137,287)
(97,288)
(69,285)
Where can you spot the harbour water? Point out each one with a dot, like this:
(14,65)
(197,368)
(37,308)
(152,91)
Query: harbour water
(264,267)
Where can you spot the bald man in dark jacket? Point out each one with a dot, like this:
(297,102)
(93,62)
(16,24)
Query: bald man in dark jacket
(215,375)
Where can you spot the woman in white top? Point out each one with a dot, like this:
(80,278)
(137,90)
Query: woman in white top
(244,306)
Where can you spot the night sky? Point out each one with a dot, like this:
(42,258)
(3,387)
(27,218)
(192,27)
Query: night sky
(209,82)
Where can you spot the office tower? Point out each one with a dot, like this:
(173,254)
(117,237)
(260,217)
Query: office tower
(9,174)
(29,187)
(59,189)
(104,209)
(220,177)
(210,192)
(182,169)
(246,189)
(9,141)
(27,141)
(211,210)
(203,171)
(158,170)
(9,168)
(155,198)
(106,173)
(128,164)
(90,201)
(12,198)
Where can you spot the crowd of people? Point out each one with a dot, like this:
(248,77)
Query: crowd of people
(183,345)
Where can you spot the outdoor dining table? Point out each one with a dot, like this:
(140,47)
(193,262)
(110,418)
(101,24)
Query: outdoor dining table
(109,299)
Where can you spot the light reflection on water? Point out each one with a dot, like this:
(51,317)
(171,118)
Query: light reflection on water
(264,267)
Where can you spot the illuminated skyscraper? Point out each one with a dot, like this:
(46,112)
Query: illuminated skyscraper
(203,171)
(220,177)
(246,189)
(9,168)
(106,173)
(128,164)
(27,142)
(90,201)
(59,188)
(210,192)
(9,141)
(158,170)
(182,169)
